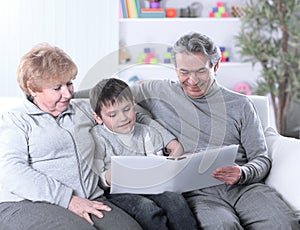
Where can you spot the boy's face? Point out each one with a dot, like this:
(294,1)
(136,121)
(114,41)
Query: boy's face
(119,117)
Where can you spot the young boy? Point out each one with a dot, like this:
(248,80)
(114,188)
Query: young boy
(118,134)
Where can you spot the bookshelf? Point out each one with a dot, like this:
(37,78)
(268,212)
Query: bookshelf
(160,33)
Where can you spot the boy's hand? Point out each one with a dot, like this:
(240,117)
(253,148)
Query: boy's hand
(174,148)
(108,177)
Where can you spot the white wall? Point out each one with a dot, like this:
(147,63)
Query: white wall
(86,29)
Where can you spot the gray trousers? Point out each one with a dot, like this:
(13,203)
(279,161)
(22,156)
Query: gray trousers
(255,206)
(27,215)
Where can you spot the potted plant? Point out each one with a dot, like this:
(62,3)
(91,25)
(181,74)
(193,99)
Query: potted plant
(270,36)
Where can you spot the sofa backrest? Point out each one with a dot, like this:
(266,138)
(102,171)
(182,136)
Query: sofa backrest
(261,104)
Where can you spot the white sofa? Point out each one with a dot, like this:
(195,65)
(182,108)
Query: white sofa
(285,155)
(284,152)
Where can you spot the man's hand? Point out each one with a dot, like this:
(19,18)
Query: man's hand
(83,208)
(174,148)
(229,175)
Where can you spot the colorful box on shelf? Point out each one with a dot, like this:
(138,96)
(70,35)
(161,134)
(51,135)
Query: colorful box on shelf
(219,11)
(147,57)
(153,13)
(224,54)
(168,56)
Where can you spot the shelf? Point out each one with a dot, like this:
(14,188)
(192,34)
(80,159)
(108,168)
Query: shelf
(171,66)
(160,33)
(236,64)
(204,19)
(165,31)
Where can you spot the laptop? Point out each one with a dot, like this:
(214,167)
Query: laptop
(157,174)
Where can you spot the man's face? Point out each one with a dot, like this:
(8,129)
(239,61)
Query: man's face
(195,73)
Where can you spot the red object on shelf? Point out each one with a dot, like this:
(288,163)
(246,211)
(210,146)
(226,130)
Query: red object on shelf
(211,14)
(219,4)
(171,13)
(225,15)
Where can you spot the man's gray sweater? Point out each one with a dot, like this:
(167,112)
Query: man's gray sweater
(220,118)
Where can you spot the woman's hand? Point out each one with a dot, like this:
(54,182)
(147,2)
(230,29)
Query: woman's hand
(84,207)
(174,148)
(229,175)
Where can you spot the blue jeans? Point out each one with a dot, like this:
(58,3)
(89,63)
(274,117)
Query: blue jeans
(167,210)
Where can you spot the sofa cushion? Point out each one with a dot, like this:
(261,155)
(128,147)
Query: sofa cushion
(285,171)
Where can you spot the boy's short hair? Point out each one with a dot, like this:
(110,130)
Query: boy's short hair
(109,91)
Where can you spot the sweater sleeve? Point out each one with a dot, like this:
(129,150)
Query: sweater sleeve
(254,144)
(141,95)
(16,174)
(103,153)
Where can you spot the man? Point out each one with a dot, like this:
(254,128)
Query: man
(202,114)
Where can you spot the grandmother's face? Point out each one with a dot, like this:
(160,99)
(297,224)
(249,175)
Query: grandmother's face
(54,100)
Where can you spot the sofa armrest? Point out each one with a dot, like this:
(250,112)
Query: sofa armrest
(285,171)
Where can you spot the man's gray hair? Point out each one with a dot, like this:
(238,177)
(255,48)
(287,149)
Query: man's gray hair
(195,43)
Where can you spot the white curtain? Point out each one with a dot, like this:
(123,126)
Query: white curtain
(86,29)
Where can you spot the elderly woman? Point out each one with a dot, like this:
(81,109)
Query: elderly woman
(48,170)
